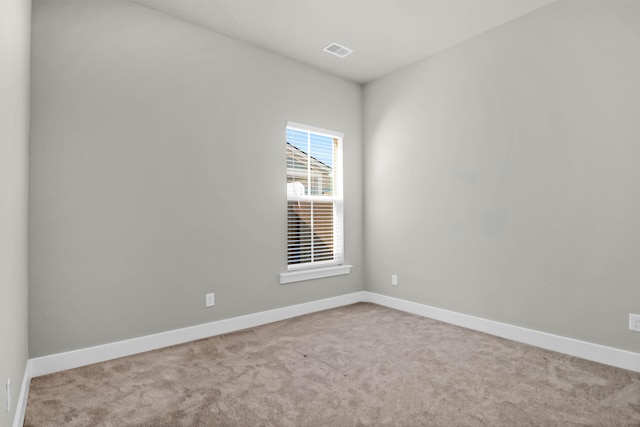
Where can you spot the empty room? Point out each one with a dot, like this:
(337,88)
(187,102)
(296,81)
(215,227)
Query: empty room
(312,213)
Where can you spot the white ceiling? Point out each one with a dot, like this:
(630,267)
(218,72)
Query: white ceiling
(386,35)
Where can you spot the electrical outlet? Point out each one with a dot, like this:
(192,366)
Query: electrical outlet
(9,394)
(394,280)
(634,322)
(210,301)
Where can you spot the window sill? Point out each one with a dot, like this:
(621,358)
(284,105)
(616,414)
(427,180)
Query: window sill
(316,273)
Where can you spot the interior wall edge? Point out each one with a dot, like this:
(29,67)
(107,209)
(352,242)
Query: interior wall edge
(21,407)
(585,350)
(74,359)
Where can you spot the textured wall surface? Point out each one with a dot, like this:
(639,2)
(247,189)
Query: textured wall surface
(158,174)
(501,176)
(15,24)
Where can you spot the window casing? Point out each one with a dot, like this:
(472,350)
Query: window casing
(314,198)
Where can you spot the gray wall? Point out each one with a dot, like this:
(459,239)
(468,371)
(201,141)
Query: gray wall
(502,178)
(500,175)
(158,174)
(15,24)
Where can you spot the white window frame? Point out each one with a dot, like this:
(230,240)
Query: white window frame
(319,269)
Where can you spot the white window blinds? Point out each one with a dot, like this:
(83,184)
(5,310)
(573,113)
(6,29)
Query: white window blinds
(314,197)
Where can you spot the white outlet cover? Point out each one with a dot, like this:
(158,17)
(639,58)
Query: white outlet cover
(210,301)
(634,322)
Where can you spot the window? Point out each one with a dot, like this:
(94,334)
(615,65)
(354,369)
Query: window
(314,203)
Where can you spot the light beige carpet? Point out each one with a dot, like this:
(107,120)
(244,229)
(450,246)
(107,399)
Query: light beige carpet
(353,366)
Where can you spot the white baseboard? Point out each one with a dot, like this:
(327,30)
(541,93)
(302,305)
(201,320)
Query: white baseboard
(87,356)
(21,407)
(585,350)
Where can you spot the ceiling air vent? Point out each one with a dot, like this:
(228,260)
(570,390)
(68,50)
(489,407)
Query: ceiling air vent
(338,50)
